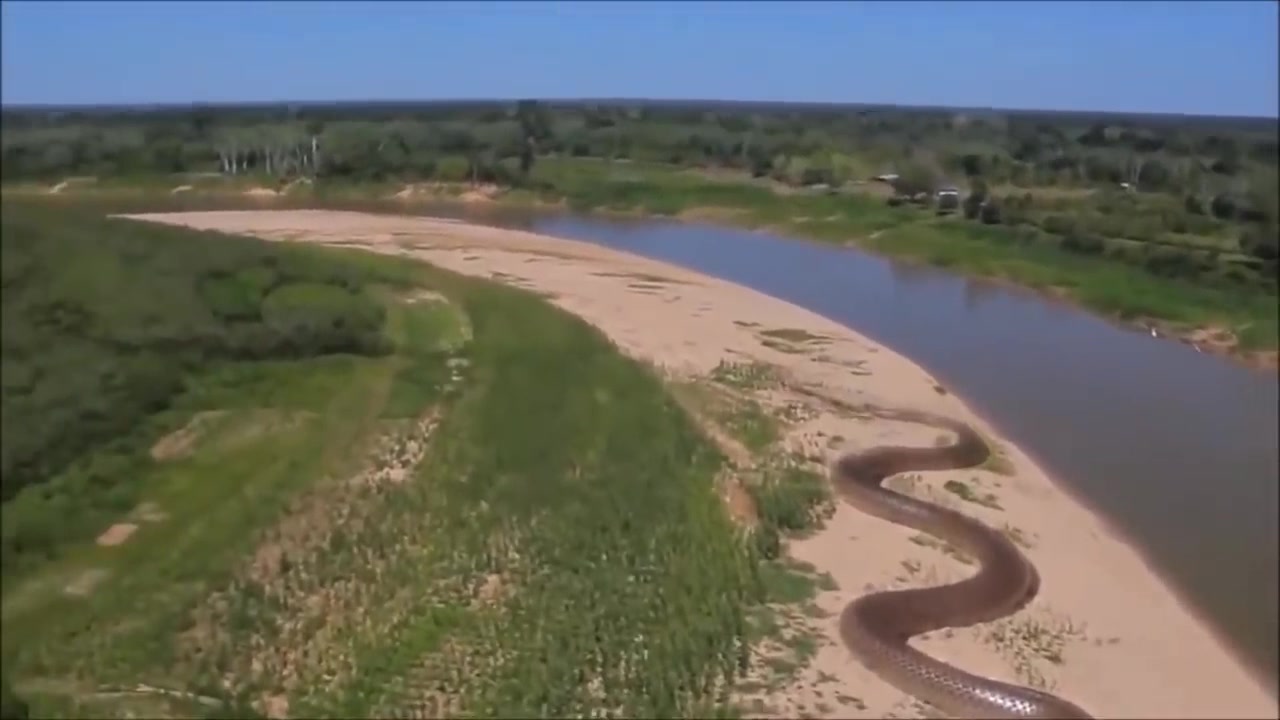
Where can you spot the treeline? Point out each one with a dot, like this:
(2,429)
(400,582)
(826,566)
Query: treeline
(1202,187)
(104,321)
(1188,238)
(1200,156)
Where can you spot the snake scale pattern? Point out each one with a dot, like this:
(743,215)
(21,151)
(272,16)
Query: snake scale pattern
(876,627)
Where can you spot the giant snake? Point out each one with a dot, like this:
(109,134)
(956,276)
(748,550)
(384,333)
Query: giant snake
(876,627)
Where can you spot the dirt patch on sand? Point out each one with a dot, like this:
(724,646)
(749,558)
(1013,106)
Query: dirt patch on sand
(116,534)
(180,443)
(72,183)
(478,193)
(149,512)
(84,582)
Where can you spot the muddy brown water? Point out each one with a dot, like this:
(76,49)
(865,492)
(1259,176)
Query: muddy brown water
(1176,449)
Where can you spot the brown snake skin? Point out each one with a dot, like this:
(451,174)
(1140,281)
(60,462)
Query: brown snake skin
(876,627)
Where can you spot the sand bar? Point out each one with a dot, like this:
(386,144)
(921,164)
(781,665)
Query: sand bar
(1104,631)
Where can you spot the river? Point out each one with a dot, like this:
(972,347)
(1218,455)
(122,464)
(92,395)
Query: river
(1176,449)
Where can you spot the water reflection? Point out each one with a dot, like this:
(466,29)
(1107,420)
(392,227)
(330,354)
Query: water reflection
(909,275)
(978,291)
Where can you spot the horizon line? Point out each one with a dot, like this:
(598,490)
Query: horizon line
(166,105)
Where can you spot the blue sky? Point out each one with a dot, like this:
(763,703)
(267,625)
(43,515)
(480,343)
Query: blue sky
(1188,57)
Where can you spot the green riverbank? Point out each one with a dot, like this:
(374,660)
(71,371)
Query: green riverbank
(245,477)
(1227,315)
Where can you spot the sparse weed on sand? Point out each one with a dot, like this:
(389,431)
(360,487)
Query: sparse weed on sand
(789,498)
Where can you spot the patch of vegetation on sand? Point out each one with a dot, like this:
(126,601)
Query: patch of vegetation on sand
(786,497)
(965,492)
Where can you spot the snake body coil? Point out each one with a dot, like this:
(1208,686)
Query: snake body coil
(876,627)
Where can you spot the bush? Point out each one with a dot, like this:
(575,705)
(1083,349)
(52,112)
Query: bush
(1176,223)
(990,214)
(1059,225)
(761,165)
(1016,209)
(817,176)
(1083,243)
(12,707)
(767,542)
(915,178)
(1171,262)
(238,296)
(1223,207)
(1260,242)
(973,205)
(453,168)
(313,319)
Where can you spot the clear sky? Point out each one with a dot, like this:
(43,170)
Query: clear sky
(1187,57)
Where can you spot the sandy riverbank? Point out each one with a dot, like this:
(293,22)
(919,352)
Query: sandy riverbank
(1104,631)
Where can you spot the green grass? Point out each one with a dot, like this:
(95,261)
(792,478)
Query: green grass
(790,499)
(124,631)
(791,334)
(559,548)
(963,491)
(744,419)
(434,330)
(107,323)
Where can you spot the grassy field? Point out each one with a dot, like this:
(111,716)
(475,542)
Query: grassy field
(497,515)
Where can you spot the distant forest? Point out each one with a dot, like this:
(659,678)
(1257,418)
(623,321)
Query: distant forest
(1205,183)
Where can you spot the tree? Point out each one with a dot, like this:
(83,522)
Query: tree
(1264,196)
(1059,225)
(915,178)
(1228,160)
(1153,175)
(526,159)
(990,214)
(761,165)
(351,150)
(843,168)
(453,168)
(535,128)
(1261,242)
(816,175)
(1102,170)
(971,164)
(1083,243)
(1015,209)
(973,202)
(1223,207)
